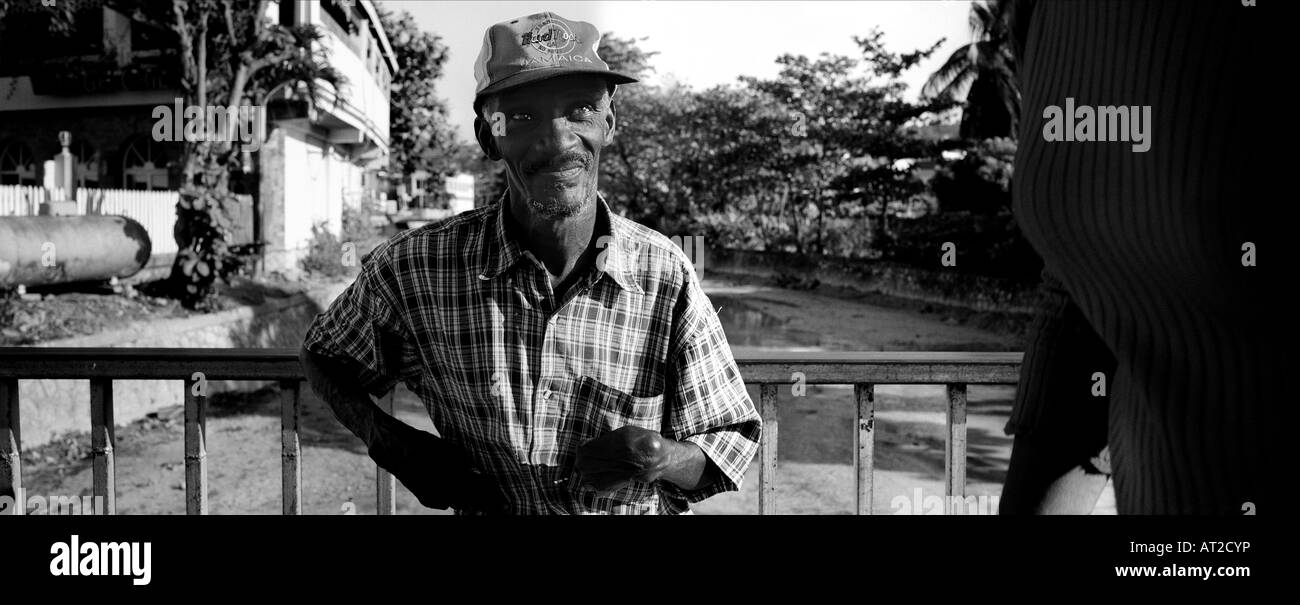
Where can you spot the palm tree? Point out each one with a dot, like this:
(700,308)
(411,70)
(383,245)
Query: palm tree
(985,71)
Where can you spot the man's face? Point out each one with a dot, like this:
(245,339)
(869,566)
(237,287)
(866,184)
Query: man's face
(550,135)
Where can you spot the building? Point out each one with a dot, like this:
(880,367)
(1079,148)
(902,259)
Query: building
(103,81)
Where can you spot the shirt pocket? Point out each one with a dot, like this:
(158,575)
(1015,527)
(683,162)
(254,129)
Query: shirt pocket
(601,409)
(605,408)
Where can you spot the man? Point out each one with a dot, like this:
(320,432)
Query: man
(567,356)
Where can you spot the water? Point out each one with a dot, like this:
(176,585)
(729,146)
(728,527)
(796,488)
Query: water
(746,326)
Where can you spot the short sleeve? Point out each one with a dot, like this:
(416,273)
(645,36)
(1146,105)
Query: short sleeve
(362,326)
(710,406)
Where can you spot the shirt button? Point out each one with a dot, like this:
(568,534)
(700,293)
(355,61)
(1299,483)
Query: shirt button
(546,393)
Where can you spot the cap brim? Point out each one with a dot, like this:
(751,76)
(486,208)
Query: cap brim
(525,78)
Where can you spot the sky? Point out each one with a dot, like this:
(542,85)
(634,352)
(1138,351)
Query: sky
(701,43)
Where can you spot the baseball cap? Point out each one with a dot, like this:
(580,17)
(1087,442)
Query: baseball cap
(537,47)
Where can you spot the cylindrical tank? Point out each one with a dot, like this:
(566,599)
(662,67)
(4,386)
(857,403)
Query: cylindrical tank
(40,250)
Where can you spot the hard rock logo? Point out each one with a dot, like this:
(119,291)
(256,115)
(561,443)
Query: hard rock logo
(552,37)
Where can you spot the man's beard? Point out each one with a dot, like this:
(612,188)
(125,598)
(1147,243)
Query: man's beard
(557,200)
(559,205)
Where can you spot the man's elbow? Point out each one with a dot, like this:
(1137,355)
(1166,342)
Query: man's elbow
(322,372)
(310,363)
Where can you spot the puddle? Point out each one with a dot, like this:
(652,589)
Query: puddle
(747,326)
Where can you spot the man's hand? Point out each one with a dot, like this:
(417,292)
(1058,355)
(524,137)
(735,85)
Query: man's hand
(617,458)
(437,472)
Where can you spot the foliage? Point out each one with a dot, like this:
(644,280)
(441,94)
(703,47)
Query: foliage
(986,244)
(980,181)
(324,253)
(422,137)
(983,73)
(356,224)
(797,160)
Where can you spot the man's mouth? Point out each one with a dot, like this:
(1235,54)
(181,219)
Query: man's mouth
(563,170)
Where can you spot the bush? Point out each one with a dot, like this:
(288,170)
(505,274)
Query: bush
(989,245)
(979,182)
(356,224)
(324,253)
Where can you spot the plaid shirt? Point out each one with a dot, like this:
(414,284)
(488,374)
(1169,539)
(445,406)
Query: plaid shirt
(468,321)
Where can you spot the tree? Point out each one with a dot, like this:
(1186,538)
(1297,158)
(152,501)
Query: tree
(230,54)
(420,129)
(791,162)
(984,71)
(59,16)
(854,123)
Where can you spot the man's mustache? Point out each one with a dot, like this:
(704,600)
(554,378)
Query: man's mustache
(560,162)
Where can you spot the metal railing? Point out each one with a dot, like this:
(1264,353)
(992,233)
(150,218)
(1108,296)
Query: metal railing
(769,370)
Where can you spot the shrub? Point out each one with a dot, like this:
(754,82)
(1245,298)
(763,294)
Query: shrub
(989,245)
(356,224)
(324,253)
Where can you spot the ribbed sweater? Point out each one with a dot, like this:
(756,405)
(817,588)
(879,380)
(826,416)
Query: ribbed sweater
(1149,245)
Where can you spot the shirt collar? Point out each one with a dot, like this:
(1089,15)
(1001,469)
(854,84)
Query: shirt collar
(501,252)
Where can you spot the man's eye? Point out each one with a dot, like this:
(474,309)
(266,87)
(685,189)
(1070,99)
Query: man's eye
(585,108)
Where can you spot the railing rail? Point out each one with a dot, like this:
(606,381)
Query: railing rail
(769,370)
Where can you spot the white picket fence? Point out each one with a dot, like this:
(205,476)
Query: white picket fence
(154,210)
(23,200)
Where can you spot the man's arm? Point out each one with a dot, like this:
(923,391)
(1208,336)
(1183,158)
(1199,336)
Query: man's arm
(711,427)
(438,473)
(339,385)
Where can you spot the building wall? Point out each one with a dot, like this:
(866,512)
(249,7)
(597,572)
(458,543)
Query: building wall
(310,185)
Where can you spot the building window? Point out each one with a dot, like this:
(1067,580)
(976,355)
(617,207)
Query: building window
(17,165)
(144,165)
(88,165)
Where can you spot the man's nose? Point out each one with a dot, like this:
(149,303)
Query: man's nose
(558,137)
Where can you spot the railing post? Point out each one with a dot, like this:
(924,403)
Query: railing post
(864,445)
(11,447)
(101,445)
(767,451)
(954,460)
(290,448)
(385,485)
(196,448)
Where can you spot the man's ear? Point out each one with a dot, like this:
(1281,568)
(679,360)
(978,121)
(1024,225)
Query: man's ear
(486,142)
(612,122)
